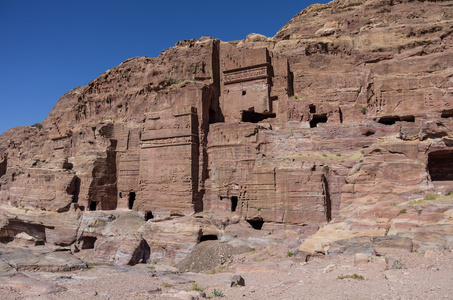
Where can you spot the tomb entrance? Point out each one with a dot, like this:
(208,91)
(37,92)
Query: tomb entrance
(440,169)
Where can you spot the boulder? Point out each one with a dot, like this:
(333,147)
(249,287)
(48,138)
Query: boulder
(40,259)
(361,244)
(383,245)
(122,250)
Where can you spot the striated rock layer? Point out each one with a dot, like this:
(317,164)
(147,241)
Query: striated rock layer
(344,117)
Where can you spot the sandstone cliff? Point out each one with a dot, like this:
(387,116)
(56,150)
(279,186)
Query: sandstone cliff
(344,118)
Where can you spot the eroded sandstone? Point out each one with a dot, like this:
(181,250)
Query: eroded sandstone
(340,121)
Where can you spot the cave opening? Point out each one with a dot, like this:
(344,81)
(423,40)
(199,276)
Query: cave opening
(93,205)
(234,203)
(3,165)
(369,133)
(410,119)
(149,215)
(440,165)
(74,189)
(389,120)
(321,118)
(257,224)
(254,117)
(87,242)
(208,237)
(131,199)
(312,108)
(447,113)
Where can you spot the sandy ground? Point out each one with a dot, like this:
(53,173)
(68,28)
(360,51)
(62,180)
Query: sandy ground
(267,275)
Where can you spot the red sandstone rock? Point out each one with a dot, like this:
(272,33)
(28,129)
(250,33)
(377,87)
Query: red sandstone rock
(346,109)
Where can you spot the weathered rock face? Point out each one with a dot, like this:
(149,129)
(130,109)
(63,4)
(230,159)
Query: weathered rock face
(346,111)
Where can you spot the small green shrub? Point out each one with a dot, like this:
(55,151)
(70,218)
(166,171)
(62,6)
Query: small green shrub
(338,154)
(139,134)
(393,204)
(37,125)
(166,285)
(403,211)
(325,155)
(431,197)
(217,293)
(362,152)
(363,110)
(387,229)
(195,287)
(289,254)
(397,265)
(353,276)
(326,168)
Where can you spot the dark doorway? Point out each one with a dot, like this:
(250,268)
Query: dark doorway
(234,203)
(149,215)
(74,189)
(131,199)
(256,223)
(322,118)
(440,165)
(312,108)
(93,205)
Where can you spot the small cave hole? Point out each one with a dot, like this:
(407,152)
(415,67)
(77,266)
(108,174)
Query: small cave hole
(440,165)
(257,224)
(234,203)
(410,119)
(312,108)
(244,93)
(369,133)
(340,113)
(389,120)
(87,242)
(322,118)
(447,113)
(253,117)
(208,237)
(93,205)
(149,215)
(74,189)
(3,166)
(131,199)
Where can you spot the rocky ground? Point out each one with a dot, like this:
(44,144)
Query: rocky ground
(270,272)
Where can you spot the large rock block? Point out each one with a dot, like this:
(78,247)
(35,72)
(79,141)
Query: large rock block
(384,245)
(121,250)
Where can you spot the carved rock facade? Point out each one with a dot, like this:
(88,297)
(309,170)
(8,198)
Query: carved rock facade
(334,118)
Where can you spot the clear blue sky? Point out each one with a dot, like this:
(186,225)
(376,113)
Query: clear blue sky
(49,47)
